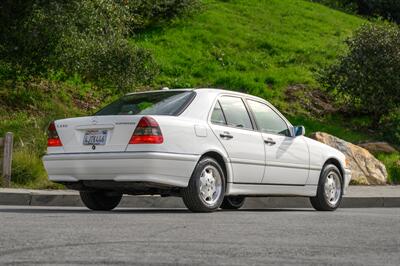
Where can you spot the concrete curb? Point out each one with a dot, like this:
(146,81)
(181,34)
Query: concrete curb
(358,197)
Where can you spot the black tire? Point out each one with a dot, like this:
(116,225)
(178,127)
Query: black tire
(232,202)
(191,194)
(319,202)
(100,200)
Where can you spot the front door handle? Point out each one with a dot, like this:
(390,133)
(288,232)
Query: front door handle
(226,135)
(269,141)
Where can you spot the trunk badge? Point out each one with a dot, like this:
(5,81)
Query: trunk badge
(94,120)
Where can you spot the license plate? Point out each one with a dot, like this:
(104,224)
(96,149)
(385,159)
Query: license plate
(95,137)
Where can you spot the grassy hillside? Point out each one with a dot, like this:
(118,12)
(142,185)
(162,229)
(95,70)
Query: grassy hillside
(259,47)
(256,46)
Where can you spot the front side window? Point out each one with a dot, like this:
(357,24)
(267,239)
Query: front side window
(267,120)
(235,112)
(151,103)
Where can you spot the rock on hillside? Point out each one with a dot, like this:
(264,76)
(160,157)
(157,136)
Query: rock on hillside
(366,169)
(376,147)
(315,101)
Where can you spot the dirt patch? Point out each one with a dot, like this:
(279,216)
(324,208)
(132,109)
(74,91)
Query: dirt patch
(315,101)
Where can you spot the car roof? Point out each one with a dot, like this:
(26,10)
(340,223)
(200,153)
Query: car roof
(223,91)
(202,90)
(163,90)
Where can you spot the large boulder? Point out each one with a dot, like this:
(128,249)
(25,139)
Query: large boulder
(365,168)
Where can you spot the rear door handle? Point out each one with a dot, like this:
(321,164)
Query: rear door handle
(226,135)
(269,141)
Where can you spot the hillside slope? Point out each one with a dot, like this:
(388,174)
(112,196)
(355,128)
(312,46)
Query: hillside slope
(256,46)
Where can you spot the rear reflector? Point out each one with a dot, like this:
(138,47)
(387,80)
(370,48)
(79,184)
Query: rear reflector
(147,132)
(53,140)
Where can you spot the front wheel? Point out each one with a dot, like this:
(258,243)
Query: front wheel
(100,200)
(329,191)
(232,202)
(206,187)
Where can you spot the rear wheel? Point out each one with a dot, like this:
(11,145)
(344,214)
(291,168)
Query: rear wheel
(232,202)
(100,200)
(329,192)
(206,188)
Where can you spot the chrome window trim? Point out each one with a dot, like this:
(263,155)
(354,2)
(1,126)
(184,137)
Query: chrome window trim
(226,125)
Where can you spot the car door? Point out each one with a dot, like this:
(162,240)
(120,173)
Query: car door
(231,123)
(286,157)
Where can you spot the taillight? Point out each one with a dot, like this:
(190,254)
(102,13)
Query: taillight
(147,132)
(53,140)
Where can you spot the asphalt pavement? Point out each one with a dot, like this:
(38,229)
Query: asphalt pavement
(127,236)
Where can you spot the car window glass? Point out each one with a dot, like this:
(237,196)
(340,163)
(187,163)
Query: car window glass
(267,120)
(151,103)
(217,116)
(235,112)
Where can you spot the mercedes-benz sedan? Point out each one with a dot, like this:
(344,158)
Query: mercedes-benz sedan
(211,147)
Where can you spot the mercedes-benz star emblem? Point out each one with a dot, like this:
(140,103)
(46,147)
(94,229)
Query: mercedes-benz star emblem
(94,120)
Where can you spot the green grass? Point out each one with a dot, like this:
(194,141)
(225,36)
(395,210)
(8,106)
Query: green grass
(28,171)
(256,46)
(392,163)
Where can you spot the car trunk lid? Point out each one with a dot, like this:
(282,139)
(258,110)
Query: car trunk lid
(96,133)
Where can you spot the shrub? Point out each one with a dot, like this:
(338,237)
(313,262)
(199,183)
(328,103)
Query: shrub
(112,62)
(367,77)
(345,5)
(388,9)
(391,124)
(26,167)
(392,163)
(84,37)
(144,13)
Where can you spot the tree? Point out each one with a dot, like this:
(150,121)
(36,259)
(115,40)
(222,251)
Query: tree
(367,77)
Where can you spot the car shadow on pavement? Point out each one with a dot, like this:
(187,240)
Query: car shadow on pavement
(78,210)
(31,209)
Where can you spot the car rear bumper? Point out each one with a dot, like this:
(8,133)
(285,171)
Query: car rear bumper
(170,169)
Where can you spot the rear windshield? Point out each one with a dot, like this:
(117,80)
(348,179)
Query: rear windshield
(151,103)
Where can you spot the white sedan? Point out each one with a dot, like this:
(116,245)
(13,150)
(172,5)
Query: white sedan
(211,147)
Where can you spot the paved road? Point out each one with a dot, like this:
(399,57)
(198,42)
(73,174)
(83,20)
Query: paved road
(51,235)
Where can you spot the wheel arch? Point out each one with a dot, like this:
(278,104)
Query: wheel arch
(336,163)
(221,160)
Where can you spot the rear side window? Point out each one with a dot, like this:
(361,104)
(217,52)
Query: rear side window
(151,103)
(235,112)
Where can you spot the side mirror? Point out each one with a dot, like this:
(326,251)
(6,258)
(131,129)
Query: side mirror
(299,131)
